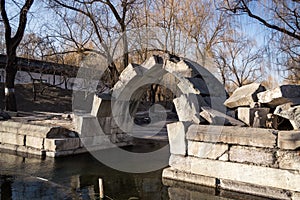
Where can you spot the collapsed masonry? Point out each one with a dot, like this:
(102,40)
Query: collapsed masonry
(278,108)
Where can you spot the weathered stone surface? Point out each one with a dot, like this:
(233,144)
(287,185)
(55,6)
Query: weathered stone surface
(206,150)
(247,114)
(252,174)
(174,174)
(188,107)
(289,160)
(244,96)
(217,118)
(289,140)
(35,142)
(233,135)
(61,144)
(280,95)
(101,106)
(253,155)
(255,190)
(290,113)
(180,68)
(87,126)
(11,138)
(176,134)
(181,163)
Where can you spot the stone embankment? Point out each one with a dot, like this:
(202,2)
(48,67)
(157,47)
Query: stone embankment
(39,139)
(256,161)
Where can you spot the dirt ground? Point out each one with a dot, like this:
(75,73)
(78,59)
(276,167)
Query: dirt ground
(48,99)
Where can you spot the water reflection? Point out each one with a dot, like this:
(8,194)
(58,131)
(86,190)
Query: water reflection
(76,175)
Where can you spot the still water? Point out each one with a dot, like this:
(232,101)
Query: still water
(76,177)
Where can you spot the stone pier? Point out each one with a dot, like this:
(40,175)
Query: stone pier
(262,162)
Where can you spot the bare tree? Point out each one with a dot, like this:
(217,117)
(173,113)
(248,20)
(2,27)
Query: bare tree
(239,62)
(282,18)
(12,43)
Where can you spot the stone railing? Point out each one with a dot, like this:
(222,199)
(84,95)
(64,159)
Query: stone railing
(261,162)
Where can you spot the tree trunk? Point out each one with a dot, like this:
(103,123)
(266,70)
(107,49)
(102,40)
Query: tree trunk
(11,71)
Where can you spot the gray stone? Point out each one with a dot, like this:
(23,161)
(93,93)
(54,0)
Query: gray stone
(35,142)
(206,150)
(280,95)
(216,103)
(256,137)
(253,155)
(257,175)
(11,138)
(244,96)
(61,144)
(180,163)
(177,141)
(289,140)
(290,113)
(101,107)
(188,107)
(180,68)
(178,175)
(217,118)
(289,160)
(247,115)
(255,189)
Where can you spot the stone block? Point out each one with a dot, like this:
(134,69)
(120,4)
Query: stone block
(217,118)
(290,113)
(280,95)
(101,106)
(188,108)
(256,190)
(131,71)
(206,150)
(289,140)
(181,163)
(174,174)
(257,175)
(35,142)
(252,155)
(87,126)
(61,144)
(9,126)
(176,135)
(244,96)
(256,137)
(12,138)
(247,115)
(180,68)
(289,160)
(34,130)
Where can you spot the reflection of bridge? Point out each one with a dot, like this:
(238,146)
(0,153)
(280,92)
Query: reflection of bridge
(38,66)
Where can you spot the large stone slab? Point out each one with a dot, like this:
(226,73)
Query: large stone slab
(261,176)
(11,138)
(262,191)
(180,68)
(244,96)
(174,174)
(218,118)
(256,137)
(290,113)
(188,107)
(289,160)
(176,135)
(61,144)
(206,150)
(289,140)
(35,142)
(101,106)
(180,163)
(253,155)
(247,115)
(280,95)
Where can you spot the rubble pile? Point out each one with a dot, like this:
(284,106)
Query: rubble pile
(277,108)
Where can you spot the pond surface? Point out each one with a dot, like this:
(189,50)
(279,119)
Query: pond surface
(76,177)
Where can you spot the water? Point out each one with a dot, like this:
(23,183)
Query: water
(76,177)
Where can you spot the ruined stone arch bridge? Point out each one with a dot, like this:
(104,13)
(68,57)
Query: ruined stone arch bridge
(112,116)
